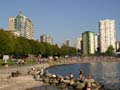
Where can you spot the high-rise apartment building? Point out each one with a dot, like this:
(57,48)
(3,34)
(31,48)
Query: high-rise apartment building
(12,23)
(107,34)
(117,45)
(67,42)
(96,42)
(22,24)
(78,43)
(88,41)
(46,38)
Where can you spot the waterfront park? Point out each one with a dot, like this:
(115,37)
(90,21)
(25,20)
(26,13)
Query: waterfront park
(31,65)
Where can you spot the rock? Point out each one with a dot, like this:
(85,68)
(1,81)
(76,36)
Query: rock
(46,80)
(63,85)
(15,74)
(79,86)
(72,82)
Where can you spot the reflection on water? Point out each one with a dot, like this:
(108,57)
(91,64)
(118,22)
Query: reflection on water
(107,73)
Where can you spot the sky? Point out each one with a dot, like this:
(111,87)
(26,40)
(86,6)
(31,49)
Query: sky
(62,19)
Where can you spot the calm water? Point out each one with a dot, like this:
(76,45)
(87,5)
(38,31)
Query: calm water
(107,73)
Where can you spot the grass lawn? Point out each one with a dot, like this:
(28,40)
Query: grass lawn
(1,62)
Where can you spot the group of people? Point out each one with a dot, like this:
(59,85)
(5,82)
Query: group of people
(81,83)
(89,82)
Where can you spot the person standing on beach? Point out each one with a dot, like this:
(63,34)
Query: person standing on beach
(41,71)
(81,77)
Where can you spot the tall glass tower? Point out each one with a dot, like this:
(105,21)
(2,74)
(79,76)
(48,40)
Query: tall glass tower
(88,43)
(20,23)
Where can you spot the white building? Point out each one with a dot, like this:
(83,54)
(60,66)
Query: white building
(78,43)
(117,45)
(96,42)
(15,33)
(68,42)
(46,38)
(107,34)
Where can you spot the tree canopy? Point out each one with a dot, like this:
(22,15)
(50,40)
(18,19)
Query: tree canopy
(6,42)
(20,46)
(110,51)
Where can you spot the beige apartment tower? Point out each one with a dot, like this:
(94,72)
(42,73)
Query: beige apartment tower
(46,38)
(107,34)
(12,23)
(78,43)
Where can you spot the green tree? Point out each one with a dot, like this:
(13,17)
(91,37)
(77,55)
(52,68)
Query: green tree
(34,47)
(6,42)
(48,50)
(72,51)
(110,51)
(66,50)
(41,48)
(56,50)
(22,46)
(18,50)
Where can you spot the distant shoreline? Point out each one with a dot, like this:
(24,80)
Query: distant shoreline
(72,60)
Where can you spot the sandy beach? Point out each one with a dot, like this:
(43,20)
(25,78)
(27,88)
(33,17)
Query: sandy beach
(21,82)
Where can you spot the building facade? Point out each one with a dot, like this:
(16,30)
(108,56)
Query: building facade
(22,24)
(88,41)
(46,38)
(12,23)
(67,42)
(96,42)
(78,43)
(117,45)
(107,34)
(15,33)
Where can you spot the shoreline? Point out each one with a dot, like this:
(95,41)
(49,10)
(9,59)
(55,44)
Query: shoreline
(26,81)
